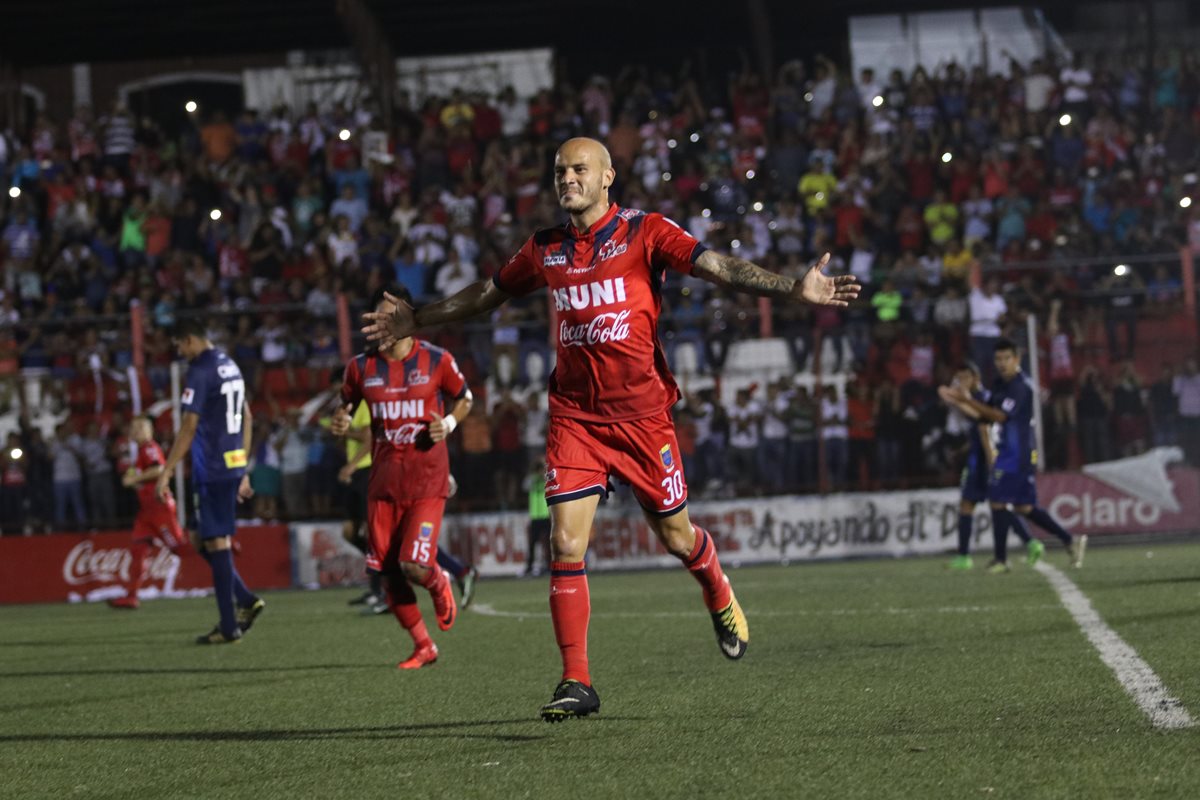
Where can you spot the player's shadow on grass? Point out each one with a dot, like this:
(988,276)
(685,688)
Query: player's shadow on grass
(429,730)
(180,670)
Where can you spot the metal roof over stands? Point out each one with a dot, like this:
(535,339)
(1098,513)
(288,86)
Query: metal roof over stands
(56,32)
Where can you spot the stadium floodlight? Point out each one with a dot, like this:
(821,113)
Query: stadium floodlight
(1120,270)
(1185,202)
(758,206)
(946,157)
(14,192)
(808,97)
(877,100)
(1060,240)
(667,176)
(215,214)
(344,134)
(16,453)
(671,143)
(695,137)
(735,244)
(190,106)
(750,174)
(706,213)
(1064,120)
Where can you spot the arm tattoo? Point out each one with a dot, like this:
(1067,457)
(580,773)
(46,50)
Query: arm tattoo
(741,275)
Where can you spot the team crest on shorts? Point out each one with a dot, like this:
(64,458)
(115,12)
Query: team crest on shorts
(426,530)
(664,453)
(551,474)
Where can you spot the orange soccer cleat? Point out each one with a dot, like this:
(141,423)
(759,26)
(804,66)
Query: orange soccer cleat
(423,656)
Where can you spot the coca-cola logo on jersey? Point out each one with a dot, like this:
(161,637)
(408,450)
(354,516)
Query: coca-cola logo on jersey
(87,564)
(610,327)
(405,434)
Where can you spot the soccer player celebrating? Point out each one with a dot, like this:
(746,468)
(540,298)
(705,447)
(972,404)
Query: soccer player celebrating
(404,385)
(977,469)
(216,428)
(156,522)
(611,392)
(1013,479)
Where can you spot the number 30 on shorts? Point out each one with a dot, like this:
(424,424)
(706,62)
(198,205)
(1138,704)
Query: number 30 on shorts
(420,551)
(673,484)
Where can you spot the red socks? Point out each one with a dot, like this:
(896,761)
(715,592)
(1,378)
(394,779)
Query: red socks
(570,608)
(137,568)
(403,603)
(706,569)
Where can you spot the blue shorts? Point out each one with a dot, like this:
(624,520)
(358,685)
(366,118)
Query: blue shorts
(216,508)
(974,484)
(1017,488)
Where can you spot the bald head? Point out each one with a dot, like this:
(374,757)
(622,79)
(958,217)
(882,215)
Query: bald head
(582,174)
(583,148)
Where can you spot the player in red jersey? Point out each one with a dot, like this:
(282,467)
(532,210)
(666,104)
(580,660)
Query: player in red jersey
(611,391)
(405,386)
(157,522)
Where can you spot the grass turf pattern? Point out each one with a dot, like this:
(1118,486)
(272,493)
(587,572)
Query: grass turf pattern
(863,679)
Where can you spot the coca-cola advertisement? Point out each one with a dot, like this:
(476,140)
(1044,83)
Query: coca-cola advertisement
(96,567)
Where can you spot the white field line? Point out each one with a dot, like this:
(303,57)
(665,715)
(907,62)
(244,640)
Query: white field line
(488,610)
(1134,674)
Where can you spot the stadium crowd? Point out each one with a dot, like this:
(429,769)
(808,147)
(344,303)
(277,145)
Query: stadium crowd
(965,200)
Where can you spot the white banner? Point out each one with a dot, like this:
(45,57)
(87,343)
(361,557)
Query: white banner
(750,531)
(321,557)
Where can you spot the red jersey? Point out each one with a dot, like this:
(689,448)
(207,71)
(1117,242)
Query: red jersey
(149,454)
(606,284)
(406,464)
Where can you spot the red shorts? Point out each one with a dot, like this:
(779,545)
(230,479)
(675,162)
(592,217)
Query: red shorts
(159,524)
(403,530)
(580,457)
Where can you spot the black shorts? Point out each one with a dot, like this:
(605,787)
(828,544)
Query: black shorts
(356,498)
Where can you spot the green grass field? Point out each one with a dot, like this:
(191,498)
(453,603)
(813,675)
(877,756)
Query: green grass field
(863,679)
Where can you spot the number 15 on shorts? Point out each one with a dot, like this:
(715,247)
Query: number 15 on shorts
(421,550)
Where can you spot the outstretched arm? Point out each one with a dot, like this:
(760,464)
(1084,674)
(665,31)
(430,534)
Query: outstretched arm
(743,276)
(972,407)
(387,329)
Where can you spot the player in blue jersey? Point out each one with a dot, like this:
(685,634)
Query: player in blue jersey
(1013,480)
(978,467)
(216,428)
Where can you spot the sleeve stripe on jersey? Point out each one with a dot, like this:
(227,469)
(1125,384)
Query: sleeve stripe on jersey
(668,512)
(698,251)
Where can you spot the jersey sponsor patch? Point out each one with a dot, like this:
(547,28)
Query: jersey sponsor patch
(235,459)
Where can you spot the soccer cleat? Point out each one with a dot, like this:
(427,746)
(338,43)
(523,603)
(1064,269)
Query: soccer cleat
(962,563)
(364,599)
(1076,549)
(733,632)
(1033,552)
(423,656)
(376,605)
(571,699)
(130,603)
(466,587)
(247,614)
(216,637)
(995,567)
(444,607)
